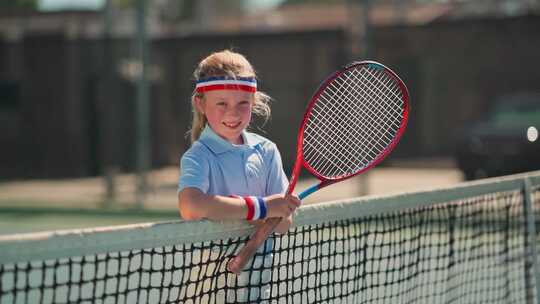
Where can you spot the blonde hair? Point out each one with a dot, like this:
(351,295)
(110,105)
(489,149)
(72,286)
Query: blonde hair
(224,63)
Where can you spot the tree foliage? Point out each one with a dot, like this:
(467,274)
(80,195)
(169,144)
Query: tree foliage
(18,4)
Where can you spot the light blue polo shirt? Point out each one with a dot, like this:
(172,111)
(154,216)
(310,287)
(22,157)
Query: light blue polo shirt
(217,167)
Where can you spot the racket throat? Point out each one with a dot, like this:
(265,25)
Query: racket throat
(309,191)
(294,177)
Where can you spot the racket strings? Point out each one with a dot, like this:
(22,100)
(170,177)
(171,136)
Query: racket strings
(315,153)
(381,110)
(354,120)
(357,132)
(336,134)
(332,120)
(375,107)
(326,160)
(349,114)
(378,107)
(386,83)
(327,156)
(368,123)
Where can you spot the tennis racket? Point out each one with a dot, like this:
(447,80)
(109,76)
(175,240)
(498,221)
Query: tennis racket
(353,121)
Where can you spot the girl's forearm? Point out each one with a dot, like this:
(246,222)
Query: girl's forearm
(224,208)
(195,205)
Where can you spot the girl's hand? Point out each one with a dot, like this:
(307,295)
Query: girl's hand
(284,225)
(280,205)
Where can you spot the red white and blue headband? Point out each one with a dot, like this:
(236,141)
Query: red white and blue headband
(248,84)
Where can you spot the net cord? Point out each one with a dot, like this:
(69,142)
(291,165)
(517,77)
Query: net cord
(60,244)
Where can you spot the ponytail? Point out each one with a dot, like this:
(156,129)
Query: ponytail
(198,121)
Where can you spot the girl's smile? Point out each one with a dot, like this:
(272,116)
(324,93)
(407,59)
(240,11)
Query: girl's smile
(232,125)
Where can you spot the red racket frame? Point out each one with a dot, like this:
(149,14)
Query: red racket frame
(237,264)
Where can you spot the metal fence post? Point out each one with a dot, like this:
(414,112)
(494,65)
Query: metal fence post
(142,109)
(531,255)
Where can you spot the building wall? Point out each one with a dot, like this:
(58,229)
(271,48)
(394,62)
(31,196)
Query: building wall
(75,112)
(74,108)
(456,69)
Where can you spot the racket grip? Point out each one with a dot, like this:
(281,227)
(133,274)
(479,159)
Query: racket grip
(237,264)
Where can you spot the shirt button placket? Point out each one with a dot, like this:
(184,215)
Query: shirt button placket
(247,173)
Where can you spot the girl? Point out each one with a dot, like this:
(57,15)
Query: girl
(229,173)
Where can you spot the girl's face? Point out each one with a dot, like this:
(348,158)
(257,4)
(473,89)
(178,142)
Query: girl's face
(228,112)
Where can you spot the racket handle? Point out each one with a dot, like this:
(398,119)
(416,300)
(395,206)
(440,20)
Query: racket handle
(237,264)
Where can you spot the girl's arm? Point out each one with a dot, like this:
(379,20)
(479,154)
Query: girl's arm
(193,204)
(285,224)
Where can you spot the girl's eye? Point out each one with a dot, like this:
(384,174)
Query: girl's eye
(221,104)
(244,103)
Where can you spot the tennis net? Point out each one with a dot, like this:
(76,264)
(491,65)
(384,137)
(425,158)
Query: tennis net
(472,243)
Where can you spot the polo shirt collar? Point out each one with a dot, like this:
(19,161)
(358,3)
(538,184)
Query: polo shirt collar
(219,145)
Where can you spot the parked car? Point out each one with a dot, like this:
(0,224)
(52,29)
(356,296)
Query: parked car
(505,141)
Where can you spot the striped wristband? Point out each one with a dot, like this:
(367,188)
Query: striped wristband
(256,208)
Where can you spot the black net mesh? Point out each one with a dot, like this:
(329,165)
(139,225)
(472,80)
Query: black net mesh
(535,202)
(469,251)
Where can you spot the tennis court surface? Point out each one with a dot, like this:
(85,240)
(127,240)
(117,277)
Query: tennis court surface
(468,243)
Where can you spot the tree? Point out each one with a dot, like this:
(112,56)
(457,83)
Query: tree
(18,4)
